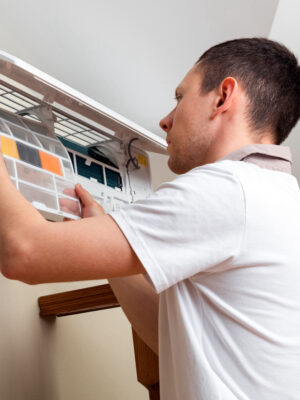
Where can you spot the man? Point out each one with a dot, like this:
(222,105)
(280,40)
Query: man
(218,244)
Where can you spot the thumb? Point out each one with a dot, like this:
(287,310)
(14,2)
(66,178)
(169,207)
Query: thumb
(89,206)
(83,195)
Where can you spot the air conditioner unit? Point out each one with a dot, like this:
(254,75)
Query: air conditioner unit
(52,136)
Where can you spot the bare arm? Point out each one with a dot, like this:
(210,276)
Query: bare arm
(35,251)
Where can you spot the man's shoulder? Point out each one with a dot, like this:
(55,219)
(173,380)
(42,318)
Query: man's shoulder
(208,179)
(239,169)
(217,170)
(229,174)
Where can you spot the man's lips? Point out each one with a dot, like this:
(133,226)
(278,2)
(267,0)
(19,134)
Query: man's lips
(168,141)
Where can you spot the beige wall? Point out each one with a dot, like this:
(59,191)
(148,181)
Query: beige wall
(86,356)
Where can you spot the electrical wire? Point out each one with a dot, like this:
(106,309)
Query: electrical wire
(135,163)
(134,160)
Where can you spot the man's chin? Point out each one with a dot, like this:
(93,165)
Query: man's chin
(176,167)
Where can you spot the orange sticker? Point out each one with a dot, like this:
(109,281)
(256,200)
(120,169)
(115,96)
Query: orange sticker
(9,147)
(50,163)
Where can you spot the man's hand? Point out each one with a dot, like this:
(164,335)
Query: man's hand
(89,206)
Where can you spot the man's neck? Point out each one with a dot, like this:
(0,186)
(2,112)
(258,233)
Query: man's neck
(222,148)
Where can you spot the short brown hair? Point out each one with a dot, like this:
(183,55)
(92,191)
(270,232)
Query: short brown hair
(268,72)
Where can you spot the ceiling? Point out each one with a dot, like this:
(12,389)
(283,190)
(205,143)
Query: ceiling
(130,55)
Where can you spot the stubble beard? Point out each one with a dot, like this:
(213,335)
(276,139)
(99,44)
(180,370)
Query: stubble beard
(182,161)
(178,166)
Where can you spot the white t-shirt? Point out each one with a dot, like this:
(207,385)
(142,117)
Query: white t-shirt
(221,246)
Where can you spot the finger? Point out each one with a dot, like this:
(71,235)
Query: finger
(69,211)
(69,206)
(83,195)
(70,192)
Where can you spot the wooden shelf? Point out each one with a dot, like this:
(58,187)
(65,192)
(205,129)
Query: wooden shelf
(78,301)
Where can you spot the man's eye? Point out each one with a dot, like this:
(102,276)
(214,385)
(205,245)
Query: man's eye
(178,97)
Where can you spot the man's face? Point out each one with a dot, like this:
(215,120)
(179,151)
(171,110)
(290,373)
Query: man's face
(188,125)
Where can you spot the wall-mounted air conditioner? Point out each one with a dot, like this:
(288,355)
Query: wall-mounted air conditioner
(52,136)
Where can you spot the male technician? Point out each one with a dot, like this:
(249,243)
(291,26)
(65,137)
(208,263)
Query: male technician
(219,244)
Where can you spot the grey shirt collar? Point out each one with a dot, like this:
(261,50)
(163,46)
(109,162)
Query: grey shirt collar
(271,156)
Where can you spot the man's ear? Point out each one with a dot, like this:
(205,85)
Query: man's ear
(225,95)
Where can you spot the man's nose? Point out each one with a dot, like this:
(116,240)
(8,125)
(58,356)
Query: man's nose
(167,122)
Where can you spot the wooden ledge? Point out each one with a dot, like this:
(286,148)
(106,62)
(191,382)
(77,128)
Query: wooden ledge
(78,301)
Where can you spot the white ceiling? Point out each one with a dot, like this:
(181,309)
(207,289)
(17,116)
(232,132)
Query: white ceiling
(128,55)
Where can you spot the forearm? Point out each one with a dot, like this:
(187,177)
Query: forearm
(139,302)
(34,250)
(16,215)
(14,209)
